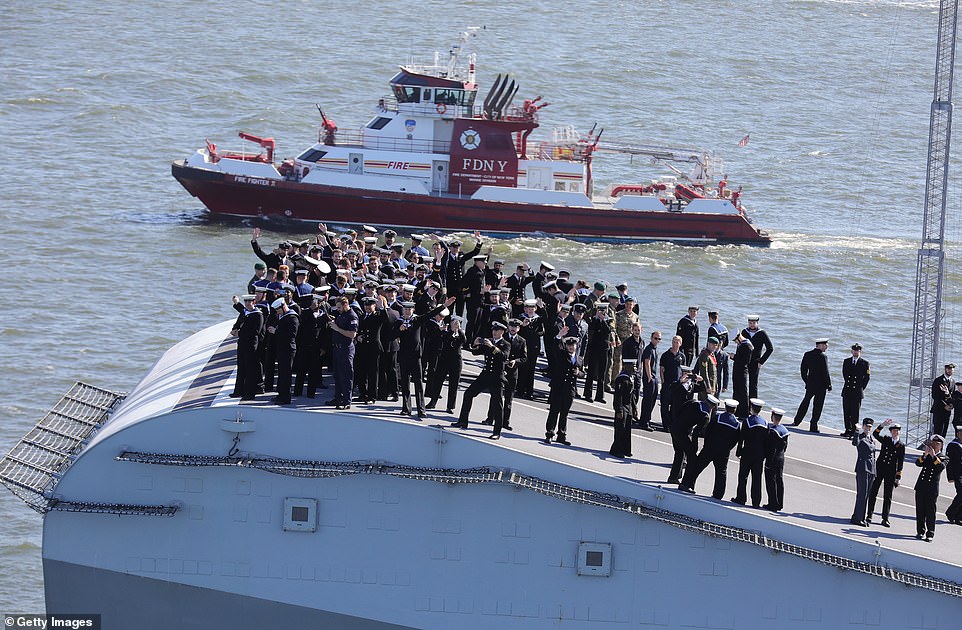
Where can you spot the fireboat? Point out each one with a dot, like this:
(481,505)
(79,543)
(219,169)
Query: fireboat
(431,158)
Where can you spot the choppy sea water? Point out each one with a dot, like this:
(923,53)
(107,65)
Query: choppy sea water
(108,261)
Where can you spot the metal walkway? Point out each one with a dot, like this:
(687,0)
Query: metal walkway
(34,465)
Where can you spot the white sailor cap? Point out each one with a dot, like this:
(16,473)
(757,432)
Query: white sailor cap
(571,340)
(343,272)
(408,287)
(496,325)
(370,240)
(549,284)
(547,266)
(937,438)
(444,312)
(407,304)
(417,237)
(629,361)
(731,403)
(322,289)
(368,228)
(757,402)
(330,234)
(247,297)
(778,412)
(260,289)
(300,272)
(481,257)
(534,302)
(457,318)
(821,340)
(709,398)
(350,291)
(279,302)
(753,318)
(496,292)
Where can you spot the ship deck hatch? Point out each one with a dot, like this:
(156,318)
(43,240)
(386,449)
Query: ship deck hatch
(32,468)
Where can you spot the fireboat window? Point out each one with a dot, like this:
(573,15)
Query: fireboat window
(378,123)
(451,97)
(312,155)
(405,94)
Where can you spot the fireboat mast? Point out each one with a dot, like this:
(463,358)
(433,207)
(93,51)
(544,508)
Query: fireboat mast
(931,256)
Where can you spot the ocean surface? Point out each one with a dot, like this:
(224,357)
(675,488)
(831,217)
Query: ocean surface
(107,261)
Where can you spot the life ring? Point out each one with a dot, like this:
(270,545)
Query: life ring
(442,108)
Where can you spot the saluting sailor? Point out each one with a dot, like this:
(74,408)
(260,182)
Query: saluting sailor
(888,469)
(864,470)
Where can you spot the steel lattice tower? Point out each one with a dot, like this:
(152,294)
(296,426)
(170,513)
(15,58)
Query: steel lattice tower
(931,258)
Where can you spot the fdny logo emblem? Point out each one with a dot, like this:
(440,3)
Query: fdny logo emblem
(470,139)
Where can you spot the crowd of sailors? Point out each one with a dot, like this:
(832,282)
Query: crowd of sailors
(387,317)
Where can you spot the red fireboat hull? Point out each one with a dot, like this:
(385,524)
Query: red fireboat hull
(226,194)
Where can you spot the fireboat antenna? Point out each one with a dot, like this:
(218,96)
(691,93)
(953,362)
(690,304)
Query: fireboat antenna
(931,258)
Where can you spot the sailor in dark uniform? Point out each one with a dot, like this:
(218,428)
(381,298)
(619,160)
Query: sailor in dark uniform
(517,359)
(650,373)
(623,402)
(307,361)
(531,330)
(495,311)
(452,264)
(953,471)
(387,383)
(407,328)
(343,330)
(495,351)
(818,381)
(260,273)
(762,349)
(927,488)
(598,353)
(741,360)
(473,290)
(721,435)
(248,329)
(776,443)
(285,344)
(431,340)
(564,379)
(856,373)
(751,453)
(515,284)
(689,419)
(369,347)
(688,331)
(942,406)
(888,469)
(864,470)
(449,365)
(632,348)
(669,366)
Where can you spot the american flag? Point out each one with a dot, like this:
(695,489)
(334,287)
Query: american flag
(743,141)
